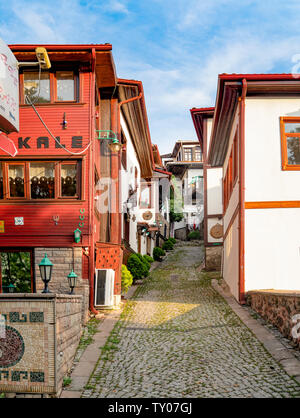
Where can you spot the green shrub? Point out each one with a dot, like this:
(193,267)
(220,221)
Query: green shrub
(158,253)
(173,240)
(168,245)
(137,268)
(143,260)
(194,235)
(148,258)
(126,279)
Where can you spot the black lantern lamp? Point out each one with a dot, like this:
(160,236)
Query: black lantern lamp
(46,272)
(72,278)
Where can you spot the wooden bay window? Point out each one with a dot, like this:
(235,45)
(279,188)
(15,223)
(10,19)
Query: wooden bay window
(49,87)
(40,180)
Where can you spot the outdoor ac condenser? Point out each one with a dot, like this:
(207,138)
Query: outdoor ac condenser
(104,287)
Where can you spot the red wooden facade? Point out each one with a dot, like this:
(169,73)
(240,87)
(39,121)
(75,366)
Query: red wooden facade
(51,221)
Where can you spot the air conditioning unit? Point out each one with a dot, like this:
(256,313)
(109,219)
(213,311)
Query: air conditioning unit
(104,287)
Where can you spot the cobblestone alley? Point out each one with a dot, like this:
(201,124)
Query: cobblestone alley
(177,337)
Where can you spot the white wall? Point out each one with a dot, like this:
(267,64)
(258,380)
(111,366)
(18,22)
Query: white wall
(209,129)
(214,191)
(272,236)
(128,178)
(231,258)
(272,249)
(265,180)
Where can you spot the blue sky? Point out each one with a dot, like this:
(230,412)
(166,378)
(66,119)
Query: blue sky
(175,47)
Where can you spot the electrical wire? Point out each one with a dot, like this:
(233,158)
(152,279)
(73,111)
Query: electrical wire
(50,133)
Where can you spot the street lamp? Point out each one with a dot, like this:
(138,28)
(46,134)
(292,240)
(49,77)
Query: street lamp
(72,278)
(11,288)
(46,272)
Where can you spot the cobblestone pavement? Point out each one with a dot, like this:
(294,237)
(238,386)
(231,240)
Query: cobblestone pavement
(178,337)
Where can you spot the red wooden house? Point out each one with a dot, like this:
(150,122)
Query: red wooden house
(51,187)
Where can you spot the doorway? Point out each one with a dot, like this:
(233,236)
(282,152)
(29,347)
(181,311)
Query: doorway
(16,271)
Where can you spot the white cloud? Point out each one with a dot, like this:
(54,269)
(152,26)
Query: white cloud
(117,6)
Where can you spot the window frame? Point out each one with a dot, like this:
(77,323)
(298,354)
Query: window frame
(57,181)
(188,151)
(53,86)
(283,139)
(32,271)
(144,185)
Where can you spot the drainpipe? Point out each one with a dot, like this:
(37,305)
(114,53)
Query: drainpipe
(121,104)
(242,194)
(119,156)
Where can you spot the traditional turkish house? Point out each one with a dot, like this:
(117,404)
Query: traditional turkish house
(60,194)
(186,166)
(256,139)
(140,174)
(213,205)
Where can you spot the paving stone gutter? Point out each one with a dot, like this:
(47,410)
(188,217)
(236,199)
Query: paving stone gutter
(279,351)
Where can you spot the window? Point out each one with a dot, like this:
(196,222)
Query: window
(41,180)
(235,158)
(38,180)
(68,177)
(124,151)
(37,87)
(1,182)
(16,180)
(198,154)
(65,86)
(49,87)
(290,143)
(188,153)
(145,199)
(160,197)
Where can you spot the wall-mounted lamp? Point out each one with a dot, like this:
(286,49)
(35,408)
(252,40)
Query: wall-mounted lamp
(64,122)
(114,144)
(77,235)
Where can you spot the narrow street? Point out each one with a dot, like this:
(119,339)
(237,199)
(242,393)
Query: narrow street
(177,337)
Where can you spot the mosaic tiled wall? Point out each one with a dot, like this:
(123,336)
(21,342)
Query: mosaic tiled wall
(39,335)
(27,346)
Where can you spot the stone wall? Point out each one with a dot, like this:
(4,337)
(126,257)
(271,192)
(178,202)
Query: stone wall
(68,332)
(181,234)
(64,260)
(213,258)
(280,308)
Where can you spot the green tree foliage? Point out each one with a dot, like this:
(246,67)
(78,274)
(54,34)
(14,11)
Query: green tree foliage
(16,270)
(176,203)
(194,235)
(126,279)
